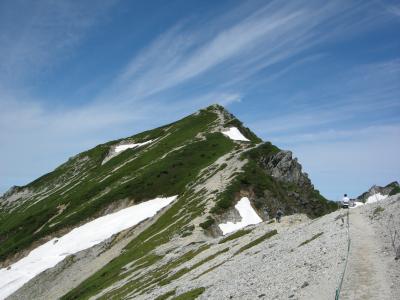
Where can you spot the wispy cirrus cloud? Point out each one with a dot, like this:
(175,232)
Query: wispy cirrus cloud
(348,138)
(366,92)
(47,33)
(197,61)
(232,52)
(393,10)
(353,162)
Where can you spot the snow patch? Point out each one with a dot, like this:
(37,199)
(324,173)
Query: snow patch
(115,150)
(234,134)
(246,211)
(357,204)
(375,198)
(49,254)
(129,146)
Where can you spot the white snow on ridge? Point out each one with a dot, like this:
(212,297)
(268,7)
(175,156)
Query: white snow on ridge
(49,254)
(246,211)
(118,149)
(375,198)
(357,204)
(234,134)
(128,146)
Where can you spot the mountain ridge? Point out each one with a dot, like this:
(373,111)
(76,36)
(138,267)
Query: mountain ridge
(387,190)
(194,158)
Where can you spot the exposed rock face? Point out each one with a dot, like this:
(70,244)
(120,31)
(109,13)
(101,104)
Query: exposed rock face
(13,195)
(390,189)
(292,190)
(285,168)
(10,191)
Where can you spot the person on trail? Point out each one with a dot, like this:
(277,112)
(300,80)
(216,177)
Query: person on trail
(345,201)
(266,215)
(279,215)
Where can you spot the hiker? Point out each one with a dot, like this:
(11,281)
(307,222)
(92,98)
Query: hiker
(266,215)
(345,201)
(279,215)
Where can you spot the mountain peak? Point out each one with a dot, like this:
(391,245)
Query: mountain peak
(208,164)
(216,106)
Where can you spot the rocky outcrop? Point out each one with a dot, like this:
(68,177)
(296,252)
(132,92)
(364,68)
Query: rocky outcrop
(284,167)
(13,195)
(10,191)
(388,190)
(281,184)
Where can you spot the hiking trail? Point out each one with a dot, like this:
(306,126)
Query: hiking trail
(366,276)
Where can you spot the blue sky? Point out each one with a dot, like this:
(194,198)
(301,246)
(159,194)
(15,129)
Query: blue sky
(320,78)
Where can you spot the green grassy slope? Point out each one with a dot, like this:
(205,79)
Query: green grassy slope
(83,187)
(142,174)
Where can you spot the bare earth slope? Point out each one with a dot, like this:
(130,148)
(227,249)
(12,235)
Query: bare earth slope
(372,272)
(302,261)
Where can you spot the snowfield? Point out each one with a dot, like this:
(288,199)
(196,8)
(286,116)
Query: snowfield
(375,198)
(234,134)
(121,148)
(49,254)
(246,211)
(116,150)
(357,204)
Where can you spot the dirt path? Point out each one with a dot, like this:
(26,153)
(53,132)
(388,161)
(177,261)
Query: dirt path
(366,276)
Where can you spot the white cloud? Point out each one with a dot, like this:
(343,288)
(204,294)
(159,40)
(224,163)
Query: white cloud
(35,139)
(231,52)
(46,34)
(393,10)
(366,157)
(366,93)
(349,138)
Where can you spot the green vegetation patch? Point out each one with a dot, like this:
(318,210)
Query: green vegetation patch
(140,174)
(207,223)
(222,166)
(157,234)
(209,270)
(235,235)
(377,211)
(257,241)
(311,239)
(186,231)
(244,130)
(166,295)
(396,190)
(183,271)
(191,295)
(254,178)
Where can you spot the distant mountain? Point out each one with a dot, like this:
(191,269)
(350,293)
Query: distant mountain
(376,193)
(127,204)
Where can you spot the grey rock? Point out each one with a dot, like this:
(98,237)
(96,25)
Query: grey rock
(286,168)
(375,189)
(305,284)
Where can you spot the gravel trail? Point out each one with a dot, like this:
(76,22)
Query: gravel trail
(366,276)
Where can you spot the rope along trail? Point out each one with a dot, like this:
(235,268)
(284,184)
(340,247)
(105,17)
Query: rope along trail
(339,288)
(365,275)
